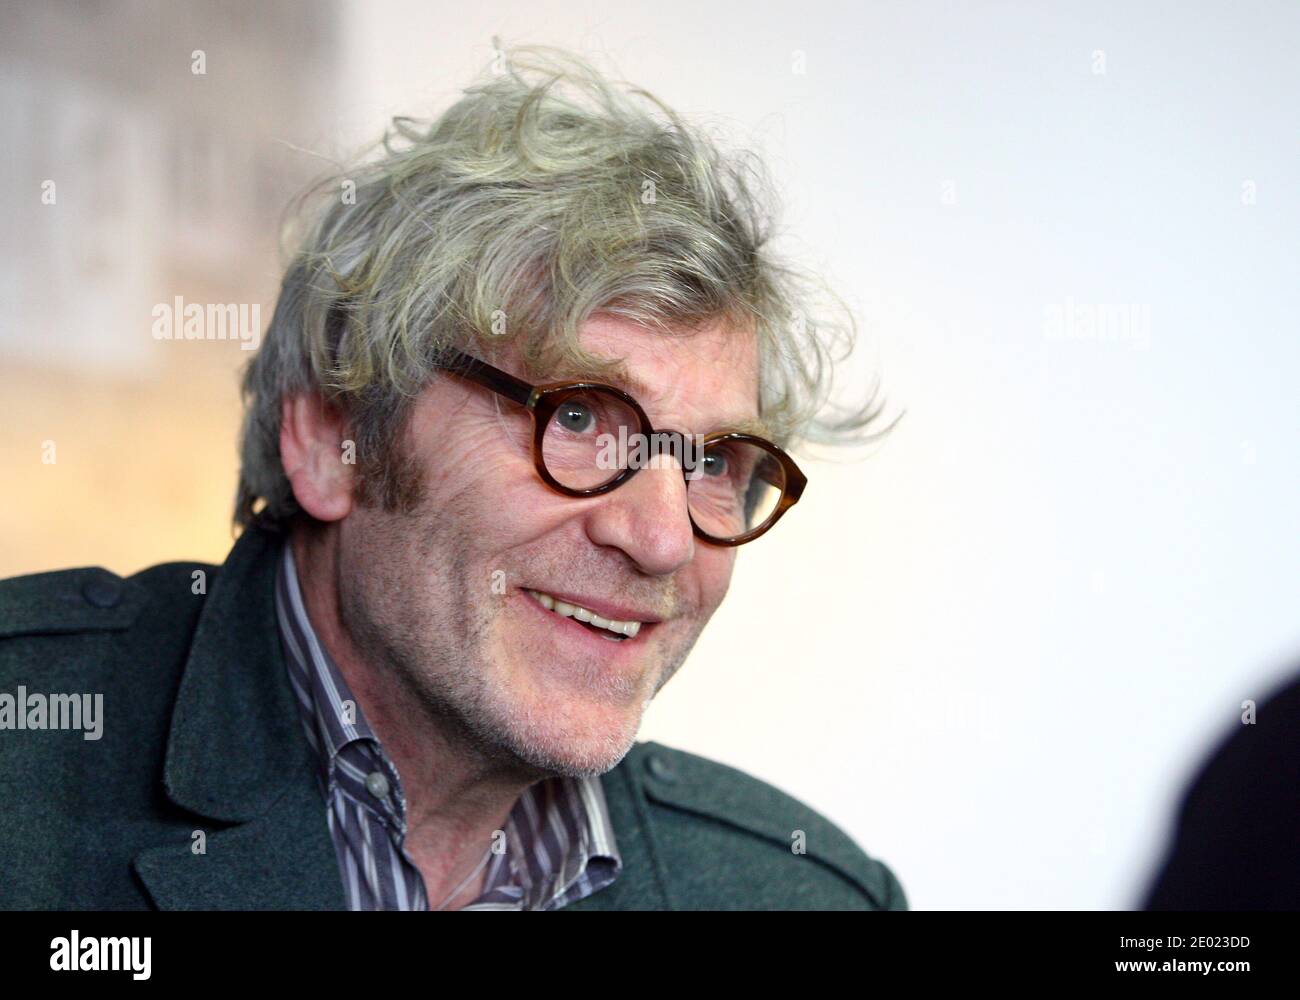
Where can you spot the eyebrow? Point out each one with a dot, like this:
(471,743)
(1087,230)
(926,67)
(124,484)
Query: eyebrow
(621,378)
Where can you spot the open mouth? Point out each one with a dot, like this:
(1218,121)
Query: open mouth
(606,628)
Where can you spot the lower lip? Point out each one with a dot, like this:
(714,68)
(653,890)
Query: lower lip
(571,630)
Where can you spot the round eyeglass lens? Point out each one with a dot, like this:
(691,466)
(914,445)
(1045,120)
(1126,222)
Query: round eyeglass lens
(588,437)
(735,487)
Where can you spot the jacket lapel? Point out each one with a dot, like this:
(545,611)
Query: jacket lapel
(236,754)
(283,860)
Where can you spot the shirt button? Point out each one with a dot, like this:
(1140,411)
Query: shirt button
(377,785)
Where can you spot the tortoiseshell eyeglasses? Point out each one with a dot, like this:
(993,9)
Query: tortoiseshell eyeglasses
(590,438)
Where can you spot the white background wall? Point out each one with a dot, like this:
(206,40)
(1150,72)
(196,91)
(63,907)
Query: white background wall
(1010,632)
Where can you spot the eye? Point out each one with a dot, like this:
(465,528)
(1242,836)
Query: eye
(715,464)
(575,418)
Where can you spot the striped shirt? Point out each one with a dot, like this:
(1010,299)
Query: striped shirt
(558,844)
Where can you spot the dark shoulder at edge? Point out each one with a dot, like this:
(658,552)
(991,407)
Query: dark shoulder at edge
(93,599)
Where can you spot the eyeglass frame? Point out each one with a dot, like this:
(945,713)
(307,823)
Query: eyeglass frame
(543,400)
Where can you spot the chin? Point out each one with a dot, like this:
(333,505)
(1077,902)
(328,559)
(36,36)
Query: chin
(576,741)
(567,711)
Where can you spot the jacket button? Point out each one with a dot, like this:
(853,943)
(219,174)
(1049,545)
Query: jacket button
(659,769)
(103,591)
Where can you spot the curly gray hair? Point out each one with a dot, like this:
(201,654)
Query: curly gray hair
(543,196)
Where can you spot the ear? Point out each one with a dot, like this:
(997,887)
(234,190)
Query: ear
(312,452)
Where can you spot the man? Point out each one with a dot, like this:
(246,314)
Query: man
(524,393)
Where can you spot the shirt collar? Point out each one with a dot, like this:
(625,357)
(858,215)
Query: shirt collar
(335,720)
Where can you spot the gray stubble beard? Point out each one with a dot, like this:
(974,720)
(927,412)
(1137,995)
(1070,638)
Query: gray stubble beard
(446,681)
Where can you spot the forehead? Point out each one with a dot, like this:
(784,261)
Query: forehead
(707,378)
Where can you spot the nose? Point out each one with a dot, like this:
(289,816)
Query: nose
(647,517)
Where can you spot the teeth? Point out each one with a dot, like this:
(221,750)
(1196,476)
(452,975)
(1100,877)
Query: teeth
(629,629)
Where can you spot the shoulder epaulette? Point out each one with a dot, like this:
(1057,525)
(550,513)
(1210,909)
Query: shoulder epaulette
(90,599)
(694,784)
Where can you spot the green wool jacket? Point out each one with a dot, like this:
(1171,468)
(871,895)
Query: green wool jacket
(200,732)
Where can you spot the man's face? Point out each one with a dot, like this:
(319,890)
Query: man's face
(445,596)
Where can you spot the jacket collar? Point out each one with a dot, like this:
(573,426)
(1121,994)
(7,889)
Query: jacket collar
(236,742)
(236,755)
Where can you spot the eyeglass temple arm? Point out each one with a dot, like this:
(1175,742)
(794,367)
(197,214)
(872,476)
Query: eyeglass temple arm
(485,374)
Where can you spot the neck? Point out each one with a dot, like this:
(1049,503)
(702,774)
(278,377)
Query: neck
(457,795)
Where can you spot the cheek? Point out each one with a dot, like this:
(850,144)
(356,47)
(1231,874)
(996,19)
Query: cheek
(472,457)
(716,566)
(485,476)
